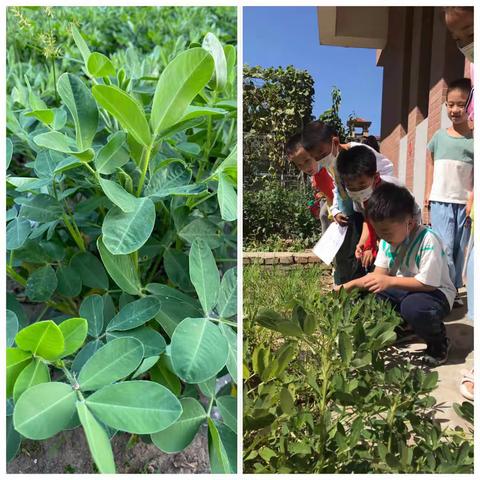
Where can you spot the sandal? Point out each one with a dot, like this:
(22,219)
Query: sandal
(467,378)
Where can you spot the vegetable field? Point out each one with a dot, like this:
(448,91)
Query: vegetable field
(325,391)
(121,228)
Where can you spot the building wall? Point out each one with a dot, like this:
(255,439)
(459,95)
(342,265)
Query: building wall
(419,60)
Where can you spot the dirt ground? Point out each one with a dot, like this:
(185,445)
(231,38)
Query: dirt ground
(68,452)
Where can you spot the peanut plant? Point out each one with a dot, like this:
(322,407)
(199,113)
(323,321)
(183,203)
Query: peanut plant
(121,223)
(329,395)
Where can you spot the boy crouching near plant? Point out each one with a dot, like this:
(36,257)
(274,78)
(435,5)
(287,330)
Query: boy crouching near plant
(411,269)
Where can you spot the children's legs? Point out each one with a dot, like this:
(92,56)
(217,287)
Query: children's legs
(470,283)
(425,312)
(323,216)
(462,235)
(347,267)
(393,295)
(444,225)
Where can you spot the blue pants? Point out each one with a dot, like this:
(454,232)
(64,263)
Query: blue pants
(470,283)
(448,221)
(423,311)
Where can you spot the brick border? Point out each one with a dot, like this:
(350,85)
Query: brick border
(281,258)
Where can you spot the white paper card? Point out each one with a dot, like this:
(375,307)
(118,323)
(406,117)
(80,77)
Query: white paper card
(328,246)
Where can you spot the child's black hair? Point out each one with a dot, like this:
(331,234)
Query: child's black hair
(356,161)
(462,84)
(317,132)
(372,141)
(390,202)
(293,143)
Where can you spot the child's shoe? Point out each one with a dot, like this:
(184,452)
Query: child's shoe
(405,334)
(458,302)
(437,353)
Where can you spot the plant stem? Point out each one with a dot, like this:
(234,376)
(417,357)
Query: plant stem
(74,232)
(222,320)
(16,276)
(210,406)
(144,168)
(42,313)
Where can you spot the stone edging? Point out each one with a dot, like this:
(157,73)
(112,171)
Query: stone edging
(280,258)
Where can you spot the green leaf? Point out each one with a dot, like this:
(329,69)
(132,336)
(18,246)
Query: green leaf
(74,331)
(208,387)
(9,147)
(92,310)
(61,143)
(212,45)
(98,65)
(176,268)
(231,56)
(80,42)
(12,327)
(35,373)
(112,155)
(44,410)
(119,196)
(204,274)
(153,343)
(135,314)
(41,208)
(147,364)
(202,229)
(44,339)
(219,460)
(176,306)
(126,110)
(121,268)
(180,435)
(135,406)
(169,180)
(124,233)
(231,338)
(46,116)
(227,296)
(110,363)
(69,281)
(18,231)
(199,350)
(227,199)
(194,111)
(14,440)
(81,104)
(183,78)
(46,162)
(85,353)
(287,403)
(17,360)
(161,373)
(90,269)
(97,438)
(228,409)
(345,347)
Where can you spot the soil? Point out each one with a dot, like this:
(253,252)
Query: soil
(68,452)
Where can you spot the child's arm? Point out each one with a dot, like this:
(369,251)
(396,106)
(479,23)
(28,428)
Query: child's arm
(429,179)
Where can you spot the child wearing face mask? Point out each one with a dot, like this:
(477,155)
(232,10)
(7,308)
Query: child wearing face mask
(411,271)
(357,169)
(321,172)
(450,180)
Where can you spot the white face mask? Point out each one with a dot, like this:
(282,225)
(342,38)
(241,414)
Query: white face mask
(327,160)
(360,195)
(467,50)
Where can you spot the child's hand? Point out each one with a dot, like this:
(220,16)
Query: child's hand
(337,288)
(375,282)
(341,219)
(359,251)
(367,258)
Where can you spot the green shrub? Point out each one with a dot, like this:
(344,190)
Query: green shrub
(325,392)
(272,213)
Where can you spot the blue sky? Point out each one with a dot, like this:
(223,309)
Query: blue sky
(281,36)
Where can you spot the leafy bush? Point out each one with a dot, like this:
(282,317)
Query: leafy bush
(122,222)
(273,213)
(277,102)
(328,395)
